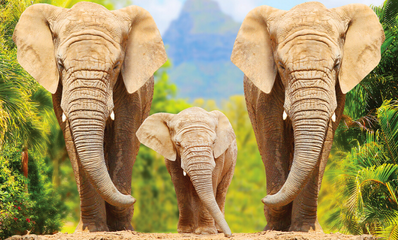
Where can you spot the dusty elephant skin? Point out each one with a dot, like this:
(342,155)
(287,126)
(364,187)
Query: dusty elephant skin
(298,66)
(99,66)
(200,153)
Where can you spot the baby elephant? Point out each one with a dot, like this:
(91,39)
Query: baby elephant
(200,148)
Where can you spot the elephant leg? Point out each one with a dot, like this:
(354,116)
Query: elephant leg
(206,223)
(304,213)
(92,206)
(122,145)
(184,189)
(278,218)
(275,141)
(221,193)
(120,156)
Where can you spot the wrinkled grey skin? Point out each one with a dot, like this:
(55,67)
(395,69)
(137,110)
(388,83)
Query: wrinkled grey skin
(298,65)
(202,145)
(87,58)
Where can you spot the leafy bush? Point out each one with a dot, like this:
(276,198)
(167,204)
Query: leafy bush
(15,211)
(27,205)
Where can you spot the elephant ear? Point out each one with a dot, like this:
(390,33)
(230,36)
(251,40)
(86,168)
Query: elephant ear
(364,37)
(252,52)
(154,133)
(34,41)
(145,52)
(224,132)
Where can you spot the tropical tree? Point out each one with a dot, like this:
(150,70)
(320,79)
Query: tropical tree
(361,151)
(367,180)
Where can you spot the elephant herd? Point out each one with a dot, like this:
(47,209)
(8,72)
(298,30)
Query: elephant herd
(99,64)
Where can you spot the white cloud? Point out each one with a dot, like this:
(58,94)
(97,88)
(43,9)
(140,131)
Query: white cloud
(163,11)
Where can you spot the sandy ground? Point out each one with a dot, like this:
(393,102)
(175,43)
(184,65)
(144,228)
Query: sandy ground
(137,235)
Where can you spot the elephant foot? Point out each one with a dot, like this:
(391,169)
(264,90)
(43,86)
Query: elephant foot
(91,227)
(119,218)
(118,226)
(278,218)
(306,227)
(206,230)
(280,226)
(185,228)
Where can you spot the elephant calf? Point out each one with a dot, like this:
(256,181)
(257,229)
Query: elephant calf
(200,148)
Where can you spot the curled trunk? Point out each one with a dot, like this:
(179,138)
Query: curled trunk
(87,117)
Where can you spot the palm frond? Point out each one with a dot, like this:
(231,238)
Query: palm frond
(387,115)
(390,232)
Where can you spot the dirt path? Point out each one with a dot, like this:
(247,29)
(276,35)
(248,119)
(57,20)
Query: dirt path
(136,235)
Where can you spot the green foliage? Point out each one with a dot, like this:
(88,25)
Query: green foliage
(49,206)
(26,122)
(15,211)
(10,10)
(18,114)
(28,205)
(367,180)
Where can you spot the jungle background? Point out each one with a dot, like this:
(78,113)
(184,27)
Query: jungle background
(359,191)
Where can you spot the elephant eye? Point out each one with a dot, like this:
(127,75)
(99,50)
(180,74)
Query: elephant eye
(60,64)
(337,63)
(178,144)
(116,66)
(281,65)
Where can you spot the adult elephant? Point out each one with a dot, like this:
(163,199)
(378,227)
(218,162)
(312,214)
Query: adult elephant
(99,66)
(298,66)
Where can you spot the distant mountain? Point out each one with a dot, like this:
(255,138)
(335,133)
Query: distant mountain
(199,44)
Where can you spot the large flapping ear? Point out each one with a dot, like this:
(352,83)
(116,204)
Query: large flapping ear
(34,41)
(145,52)
(224,134)
(154,133)
(252,52)
(363,40)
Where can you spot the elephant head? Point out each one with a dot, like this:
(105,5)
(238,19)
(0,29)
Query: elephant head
(314,52)
(86,49)
(197,138)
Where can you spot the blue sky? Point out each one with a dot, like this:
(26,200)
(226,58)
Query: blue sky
(164,11)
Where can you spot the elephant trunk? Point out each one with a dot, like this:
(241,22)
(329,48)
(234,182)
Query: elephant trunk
(200,171)
(87,114)
(310,118)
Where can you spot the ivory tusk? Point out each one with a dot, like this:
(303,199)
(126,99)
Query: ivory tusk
(183,172)
(334,117)
(284,115)
(113,115)
(63,117)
